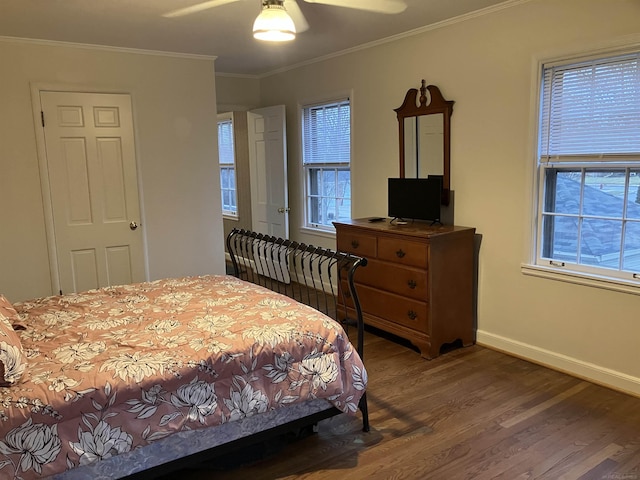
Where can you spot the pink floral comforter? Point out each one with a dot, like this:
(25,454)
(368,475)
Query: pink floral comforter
(113,369)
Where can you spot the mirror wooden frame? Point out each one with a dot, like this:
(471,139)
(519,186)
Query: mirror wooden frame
(437,104)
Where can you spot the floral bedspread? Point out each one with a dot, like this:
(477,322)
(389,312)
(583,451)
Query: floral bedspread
(113,369)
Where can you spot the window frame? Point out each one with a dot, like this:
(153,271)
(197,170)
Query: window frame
(573,272)
(582,169)
(229,214)
(307,167)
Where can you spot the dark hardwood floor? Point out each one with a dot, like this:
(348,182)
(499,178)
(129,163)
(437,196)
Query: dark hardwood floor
(472,413)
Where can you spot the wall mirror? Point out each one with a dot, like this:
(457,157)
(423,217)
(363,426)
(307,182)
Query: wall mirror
(424,125)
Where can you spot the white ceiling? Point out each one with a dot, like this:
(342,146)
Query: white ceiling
(223,31)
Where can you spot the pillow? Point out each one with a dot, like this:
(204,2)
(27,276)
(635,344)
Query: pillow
(12,359)
(9,313)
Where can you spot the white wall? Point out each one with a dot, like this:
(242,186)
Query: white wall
(174,108)
(237,93)
(487,64)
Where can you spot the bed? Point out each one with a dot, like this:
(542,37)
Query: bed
(132,380)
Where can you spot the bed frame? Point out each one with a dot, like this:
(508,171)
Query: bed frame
(315,276)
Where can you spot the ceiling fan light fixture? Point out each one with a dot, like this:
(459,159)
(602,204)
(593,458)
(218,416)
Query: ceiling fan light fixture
(274,23)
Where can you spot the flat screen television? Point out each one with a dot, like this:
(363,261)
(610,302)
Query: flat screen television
(415,198)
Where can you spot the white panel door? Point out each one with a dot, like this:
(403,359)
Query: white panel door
(268,171)
(93,185)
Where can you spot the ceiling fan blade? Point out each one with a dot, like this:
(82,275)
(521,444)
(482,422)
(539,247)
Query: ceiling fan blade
(198,7)
(293,9)
(380,6)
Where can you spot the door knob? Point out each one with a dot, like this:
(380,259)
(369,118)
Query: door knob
(283,209)
(133,225)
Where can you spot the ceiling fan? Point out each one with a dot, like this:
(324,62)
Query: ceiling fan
(293,10)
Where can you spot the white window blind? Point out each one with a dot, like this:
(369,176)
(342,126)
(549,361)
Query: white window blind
(225,142)
(327,131)
(591,109)
(227,168)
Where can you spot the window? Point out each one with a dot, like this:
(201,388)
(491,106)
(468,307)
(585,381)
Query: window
(227,166)
(589,167)
(326,157)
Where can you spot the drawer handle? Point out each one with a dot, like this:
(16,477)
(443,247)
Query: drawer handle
(412,284)
(412,315)
(355,243)
(400,253)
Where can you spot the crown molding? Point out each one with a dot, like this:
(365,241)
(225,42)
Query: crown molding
(410,33)
(106,48)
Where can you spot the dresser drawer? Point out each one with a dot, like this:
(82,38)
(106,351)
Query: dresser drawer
(396,308)
(357,243)
(400,279)
(403,251)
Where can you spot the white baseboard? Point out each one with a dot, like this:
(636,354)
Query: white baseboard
(563,363)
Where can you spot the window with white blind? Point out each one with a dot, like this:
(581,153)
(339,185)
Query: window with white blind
(227,162)
(589,168)
(326,159)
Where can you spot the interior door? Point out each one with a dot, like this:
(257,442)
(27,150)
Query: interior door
(268,174)
(268,171)
(92,178)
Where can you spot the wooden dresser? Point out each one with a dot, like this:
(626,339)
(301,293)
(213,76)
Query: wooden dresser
(419,282)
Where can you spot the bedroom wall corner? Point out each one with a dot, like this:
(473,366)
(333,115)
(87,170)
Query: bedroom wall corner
(237,93)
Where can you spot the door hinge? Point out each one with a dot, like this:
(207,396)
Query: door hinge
(42,117)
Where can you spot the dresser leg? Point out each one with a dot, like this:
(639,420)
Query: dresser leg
(426,350)
(468,340)
(430,351)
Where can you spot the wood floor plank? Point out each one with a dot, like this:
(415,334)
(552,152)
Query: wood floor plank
(544,405)
(592,461)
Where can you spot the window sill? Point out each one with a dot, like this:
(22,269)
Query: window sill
(318,232)
(597,281)
(230,217)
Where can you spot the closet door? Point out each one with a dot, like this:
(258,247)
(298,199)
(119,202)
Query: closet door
(93,189)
